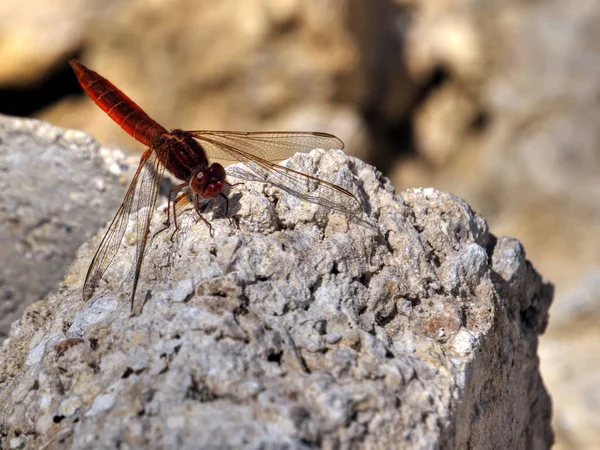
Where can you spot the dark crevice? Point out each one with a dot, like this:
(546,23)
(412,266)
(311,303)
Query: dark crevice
(362,309)
(352,418)
(127,373)
(435,260)
(441,291)
(414,301)
(357,346)
(530,317)
(315,287)
(490,247)
(275,357)
(365,279)
(320,326)
(382,320)
(242,309)
(199,393)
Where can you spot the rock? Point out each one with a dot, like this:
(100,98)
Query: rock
(493,101)
(54,189)
(510,123)
(411,327)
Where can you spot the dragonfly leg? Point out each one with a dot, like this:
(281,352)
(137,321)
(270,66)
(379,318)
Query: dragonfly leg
(179,197)
(167,224)
(234,184)
(177,200)
(173,189)
(197,208)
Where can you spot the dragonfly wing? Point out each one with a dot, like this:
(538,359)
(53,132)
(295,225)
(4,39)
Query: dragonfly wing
(296,183)
(149,186)
(271,146)
(142,193)
(302,186)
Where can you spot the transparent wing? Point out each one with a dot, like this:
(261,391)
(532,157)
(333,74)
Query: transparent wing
(271,146)
(142,193)
(259,151)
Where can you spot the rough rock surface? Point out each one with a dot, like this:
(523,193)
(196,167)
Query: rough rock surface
(302,328)
(513,127)
(493,100)
(54,190)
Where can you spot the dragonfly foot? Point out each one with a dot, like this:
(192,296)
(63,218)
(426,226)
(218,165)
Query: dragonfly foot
(165,227)
(233,221)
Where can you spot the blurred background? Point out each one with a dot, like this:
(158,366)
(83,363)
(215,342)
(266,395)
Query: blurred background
(497,102)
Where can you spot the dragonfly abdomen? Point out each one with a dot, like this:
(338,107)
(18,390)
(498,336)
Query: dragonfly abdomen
(124,111)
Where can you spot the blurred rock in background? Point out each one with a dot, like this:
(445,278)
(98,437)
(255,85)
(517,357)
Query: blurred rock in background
(497,102)
(57,188)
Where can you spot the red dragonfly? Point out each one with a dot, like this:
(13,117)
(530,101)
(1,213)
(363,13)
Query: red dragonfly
(183,153)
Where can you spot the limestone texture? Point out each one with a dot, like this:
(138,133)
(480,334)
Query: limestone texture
(57,187)
(294,326)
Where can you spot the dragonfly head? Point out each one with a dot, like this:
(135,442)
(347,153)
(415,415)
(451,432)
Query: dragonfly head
(209,181)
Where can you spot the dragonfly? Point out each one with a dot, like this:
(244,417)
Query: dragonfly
(184,155)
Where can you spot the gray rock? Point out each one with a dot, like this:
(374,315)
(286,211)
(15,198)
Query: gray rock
(302,328)
(54,193)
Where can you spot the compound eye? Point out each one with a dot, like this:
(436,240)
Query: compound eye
(218,171)
(213,189)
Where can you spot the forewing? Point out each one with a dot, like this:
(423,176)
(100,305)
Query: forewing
(142,193)
(147,194)
(259,168)
(273,146)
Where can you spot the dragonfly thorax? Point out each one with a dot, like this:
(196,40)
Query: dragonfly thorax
(181,154)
